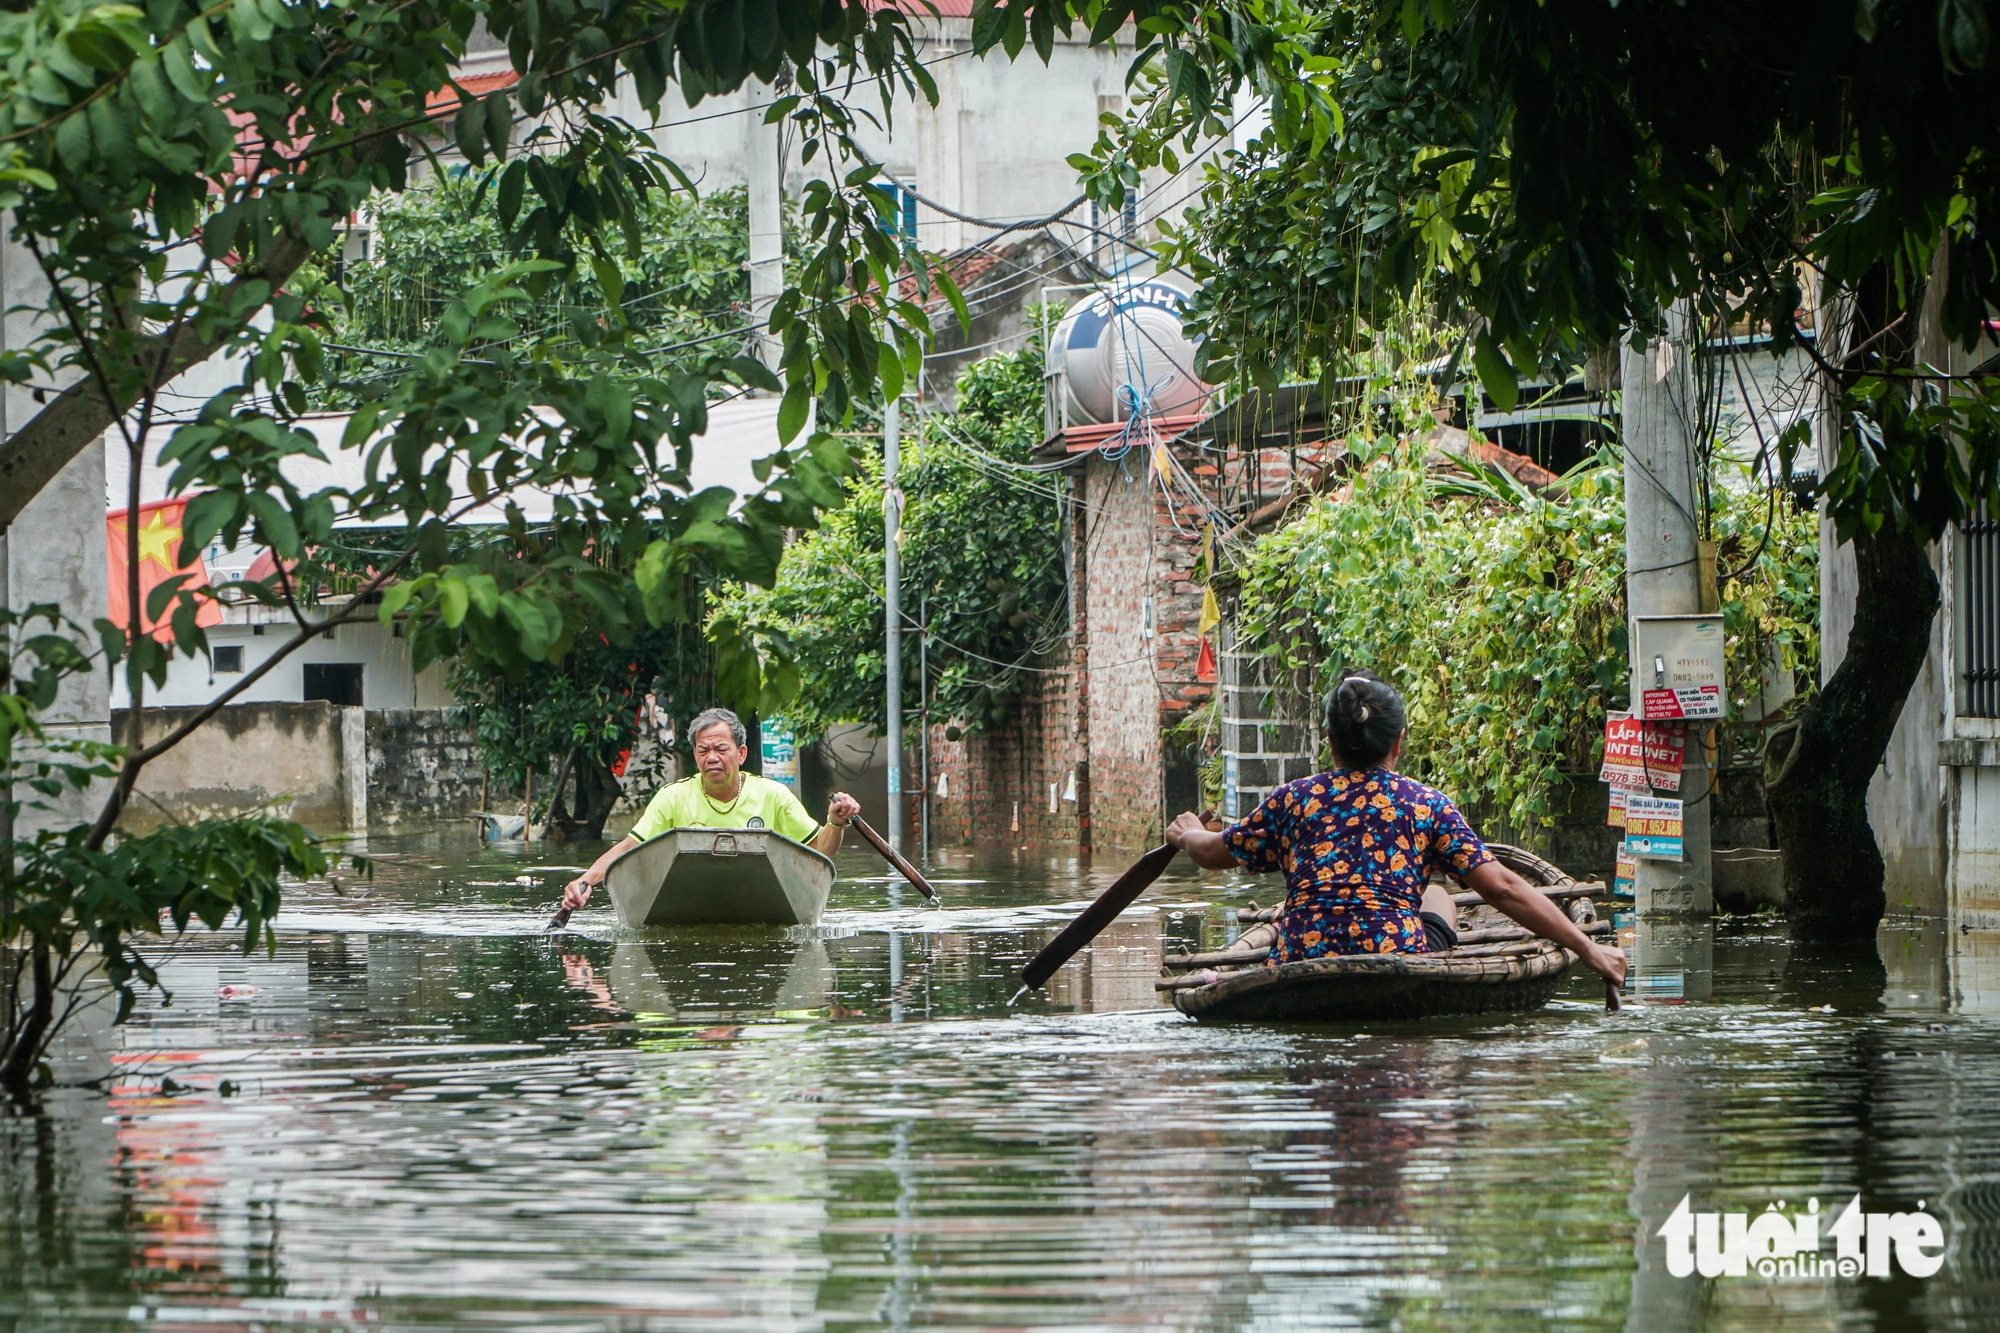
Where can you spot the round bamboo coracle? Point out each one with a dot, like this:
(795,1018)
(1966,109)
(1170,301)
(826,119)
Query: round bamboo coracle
(1497,966)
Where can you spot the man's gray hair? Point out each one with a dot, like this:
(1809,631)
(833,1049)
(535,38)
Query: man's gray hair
(704,720)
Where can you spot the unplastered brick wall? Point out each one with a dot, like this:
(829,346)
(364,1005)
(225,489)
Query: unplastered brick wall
(997,782)
(1139,548)
(1140,564)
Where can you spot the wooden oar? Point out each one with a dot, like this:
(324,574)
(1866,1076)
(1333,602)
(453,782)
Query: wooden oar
(1095,918)
(894,858)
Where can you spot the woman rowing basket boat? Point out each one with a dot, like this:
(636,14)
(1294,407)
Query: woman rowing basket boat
(1357,845)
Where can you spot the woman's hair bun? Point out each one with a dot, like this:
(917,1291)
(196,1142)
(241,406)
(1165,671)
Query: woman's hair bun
(1364,718)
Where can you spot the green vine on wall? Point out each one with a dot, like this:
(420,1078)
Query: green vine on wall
(1500,613)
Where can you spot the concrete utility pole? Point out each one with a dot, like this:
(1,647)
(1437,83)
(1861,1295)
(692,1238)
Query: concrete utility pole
(924,723)
(765,179)
(892,663)
(1663,571)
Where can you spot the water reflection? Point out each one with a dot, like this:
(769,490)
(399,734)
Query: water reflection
(759,977)
(424,1112)
(1672,958)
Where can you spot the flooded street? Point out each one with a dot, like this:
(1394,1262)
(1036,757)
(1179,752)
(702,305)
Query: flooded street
(424,1112)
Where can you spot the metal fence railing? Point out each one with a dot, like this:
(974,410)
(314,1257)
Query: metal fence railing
(1979,616)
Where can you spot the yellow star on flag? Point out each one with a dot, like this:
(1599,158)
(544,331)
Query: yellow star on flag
(158,540)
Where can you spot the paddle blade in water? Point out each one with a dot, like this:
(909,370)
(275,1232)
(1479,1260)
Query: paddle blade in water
(1098,915)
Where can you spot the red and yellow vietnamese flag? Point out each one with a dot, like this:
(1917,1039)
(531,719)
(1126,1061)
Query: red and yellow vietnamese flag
(159,550)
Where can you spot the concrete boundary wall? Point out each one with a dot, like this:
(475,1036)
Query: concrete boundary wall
(298,760)
(420,766)
(333,769)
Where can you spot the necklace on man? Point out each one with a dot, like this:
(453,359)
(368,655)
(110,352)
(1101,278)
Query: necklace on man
(723,809)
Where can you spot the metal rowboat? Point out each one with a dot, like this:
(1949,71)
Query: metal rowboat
(706,876)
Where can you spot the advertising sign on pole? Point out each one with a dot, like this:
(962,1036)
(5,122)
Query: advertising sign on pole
(1639,756)
(1653,827)
(1690,703)
(780,750)
(1625,874)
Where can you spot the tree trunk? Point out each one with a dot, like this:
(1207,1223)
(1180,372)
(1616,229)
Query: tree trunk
(558,824)
(1817,767)
(42,446)
(18,1073)
(596,790)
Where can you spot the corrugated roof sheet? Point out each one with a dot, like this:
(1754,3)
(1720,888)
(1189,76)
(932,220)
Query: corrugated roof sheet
(477,84)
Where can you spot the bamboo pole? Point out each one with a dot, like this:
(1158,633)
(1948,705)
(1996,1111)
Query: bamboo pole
(1506,934)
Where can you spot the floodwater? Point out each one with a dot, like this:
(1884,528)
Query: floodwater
(425,1113)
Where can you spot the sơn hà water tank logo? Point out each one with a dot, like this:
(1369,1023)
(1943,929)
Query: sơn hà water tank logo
(1781,1244)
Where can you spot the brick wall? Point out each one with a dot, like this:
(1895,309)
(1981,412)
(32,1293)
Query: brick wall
(420,766)
(989,774)
(1140,548)
(1135,547)
(1124,720)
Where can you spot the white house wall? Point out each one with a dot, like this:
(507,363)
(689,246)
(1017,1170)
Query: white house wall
(1758,395)
(54,552)
(740,431)
(386,678)
(1906,806)
(994,146)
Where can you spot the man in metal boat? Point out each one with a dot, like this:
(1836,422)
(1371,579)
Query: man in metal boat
(1358,843)
(721,795)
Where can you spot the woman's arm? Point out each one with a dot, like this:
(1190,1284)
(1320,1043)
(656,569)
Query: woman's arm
(1530,907)
(1205,849)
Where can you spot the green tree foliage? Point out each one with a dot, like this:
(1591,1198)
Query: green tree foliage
(1556,173)
(582,712)
(1563,171)
(686,285)
(121,151)
(1500,613)
(77,916)
(171,169)
(981,556)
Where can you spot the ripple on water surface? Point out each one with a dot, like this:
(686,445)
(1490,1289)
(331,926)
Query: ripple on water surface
(423,1112)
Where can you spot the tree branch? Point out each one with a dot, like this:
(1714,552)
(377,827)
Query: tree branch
(32,456)
(114,804)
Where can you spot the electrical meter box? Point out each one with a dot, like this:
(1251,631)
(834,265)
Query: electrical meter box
(1677,667)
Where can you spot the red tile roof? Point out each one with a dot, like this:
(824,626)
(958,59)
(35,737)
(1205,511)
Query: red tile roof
(476,84)
(1083,439)
(951,9)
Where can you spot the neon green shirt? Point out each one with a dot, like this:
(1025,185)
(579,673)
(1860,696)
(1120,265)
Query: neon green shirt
(761,804)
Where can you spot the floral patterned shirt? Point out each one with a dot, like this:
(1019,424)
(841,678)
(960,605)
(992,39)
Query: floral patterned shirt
(1357,847)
